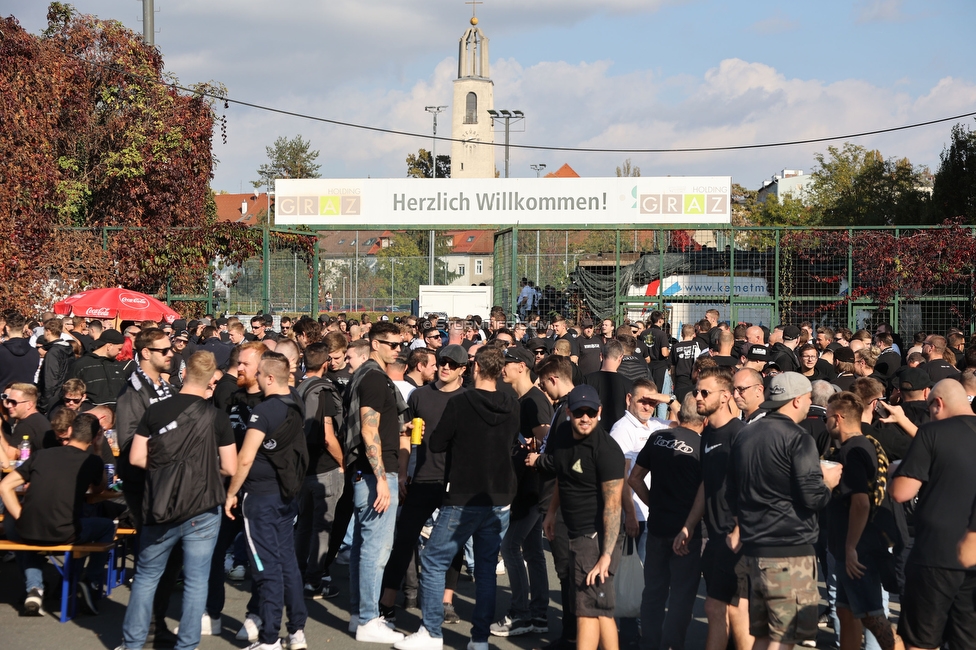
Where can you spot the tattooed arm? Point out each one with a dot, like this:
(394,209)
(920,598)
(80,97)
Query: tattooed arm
(611,529)
(369,420)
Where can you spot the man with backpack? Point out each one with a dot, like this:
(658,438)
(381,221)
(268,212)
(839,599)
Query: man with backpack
(324,478)
(184,444)
(271,469)
(853,538)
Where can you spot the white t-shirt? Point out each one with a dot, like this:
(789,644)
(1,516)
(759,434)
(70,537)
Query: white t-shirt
(631,435)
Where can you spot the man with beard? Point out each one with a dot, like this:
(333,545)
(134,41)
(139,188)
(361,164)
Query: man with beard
(242,402)
(727,610)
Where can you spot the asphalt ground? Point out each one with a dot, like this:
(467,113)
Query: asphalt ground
(326,626)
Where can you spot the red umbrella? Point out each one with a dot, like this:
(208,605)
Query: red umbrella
(121,304)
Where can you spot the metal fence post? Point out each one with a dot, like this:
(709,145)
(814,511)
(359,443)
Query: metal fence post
(314,298)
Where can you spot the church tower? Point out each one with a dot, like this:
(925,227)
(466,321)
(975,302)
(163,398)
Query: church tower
(473,96)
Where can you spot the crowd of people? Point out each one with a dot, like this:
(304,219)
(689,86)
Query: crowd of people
(762,460)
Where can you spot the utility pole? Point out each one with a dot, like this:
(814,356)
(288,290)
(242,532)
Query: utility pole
(434,110)
(148,27)
(508,116)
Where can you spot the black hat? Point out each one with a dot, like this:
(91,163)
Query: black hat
(114,337)
(843,354)
(455,353)
(756,352)
(193,325)
(914,379)
(583,396)
(221,321)
(519,354)
(791,333)
(536,343)
(179,324)
(586,322)
(182,335)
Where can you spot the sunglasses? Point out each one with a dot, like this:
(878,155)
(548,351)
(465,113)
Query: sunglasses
(588,412)
(73,400)
(450,363)
(742,389)
(163,351)
(539,353)
(394,345)
(6,400)
(703,393)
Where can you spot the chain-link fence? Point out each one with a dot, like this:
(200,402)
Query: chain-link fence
(918,279)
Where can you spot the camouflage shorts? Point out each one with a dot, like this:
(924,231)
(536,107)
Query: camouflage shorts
(783,598)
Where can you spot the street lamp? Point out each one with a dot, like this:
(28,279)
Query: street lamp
(434,110)
(393,264)
(508,116)
(538,168)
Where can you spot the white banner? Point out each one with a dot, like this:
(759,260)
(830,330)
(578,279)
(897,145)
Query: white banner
(491,202)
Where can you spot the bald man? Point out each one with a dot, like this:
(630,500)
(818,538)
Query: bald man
(938,595)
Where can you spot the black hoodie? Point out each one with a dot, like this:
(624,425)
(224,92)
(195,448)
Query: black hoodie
(18,361)
(478,430)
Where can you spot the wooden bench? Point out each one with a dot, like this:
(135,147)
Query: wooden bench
(117,569)
(68,569)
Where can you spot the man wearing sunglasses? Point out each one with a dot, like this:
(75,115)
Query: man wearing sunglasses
(21,402)
(425,492)
(589,470)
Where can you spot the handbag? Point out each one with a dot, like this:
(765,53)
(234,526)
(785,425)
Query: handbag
(628,583)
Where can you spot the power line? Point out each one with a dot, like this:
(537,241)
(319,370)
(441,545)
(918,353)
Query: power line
(427,136)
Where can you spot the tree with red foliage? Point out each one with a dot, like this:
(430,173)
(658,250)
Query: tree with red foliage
(105,166)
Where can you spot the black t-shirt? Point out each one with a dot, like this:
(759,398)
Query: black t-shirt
(573,343)
(321,461)
(59,478)
(657,343)
(716,444)
(374,392)
(581,466)
(428,404)
(241,405)
(534,410)
(860,461)
(672,457)
(612,387)
(266,418)
(590,354)
(223,391)
(941,457)
(37,428)
(340,378)
(683,357)
(163,416)
(939,370)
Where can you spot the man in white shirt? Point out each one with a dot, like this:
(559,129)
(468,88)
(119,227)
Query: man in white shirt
(631,433)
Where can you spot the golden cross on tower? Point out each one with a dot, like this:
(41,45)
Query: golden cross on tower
(474,8)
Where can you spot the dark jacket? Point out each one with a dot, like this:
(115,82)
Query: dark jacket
(103,377)
(784,357)
(18,361)
(478,431)
(131,406)
(776,488)
(220,350)
(57,364)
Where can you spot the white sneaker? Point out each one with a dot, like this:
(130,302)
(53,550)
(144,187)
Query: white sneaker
(500,568)
(208,626)
(477,645)
(420,640)
(251,628)
(376,631)
(257,645)
(237,573)
(296,641)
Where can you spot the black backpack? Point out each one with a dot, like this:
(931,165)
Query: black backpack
(312,390)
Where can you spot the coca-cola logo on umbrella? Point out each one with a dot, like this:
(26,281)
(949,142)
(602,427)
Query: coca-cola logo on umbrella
(98,312)
(134,301)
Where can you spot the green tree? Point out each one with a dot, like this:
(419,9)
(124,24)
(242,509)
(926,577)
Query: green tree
(406,265)
(744,206)
(853,186)
(418,165)
(288,158)
(954,192)
(789,211)
(627,170)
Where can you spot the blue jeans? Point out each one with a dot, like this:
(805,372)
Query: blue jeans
(455,524)
(93,530)
(371,545)
(197,535)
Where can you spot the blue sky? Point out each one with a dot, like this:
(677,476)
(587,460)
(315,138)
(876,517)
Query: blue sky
(608,74)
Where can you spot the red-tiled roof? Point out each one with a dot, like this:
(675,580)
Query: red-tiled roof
(472,242)
(229,207)
(563,172)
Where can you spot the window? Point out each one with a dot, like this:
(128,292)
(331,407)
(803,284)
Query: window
(478,269)
(460,269)
(341,241)
(471,109)
(470,239)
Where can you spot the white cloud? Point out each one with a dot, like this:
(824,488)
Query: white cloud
(873,11)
